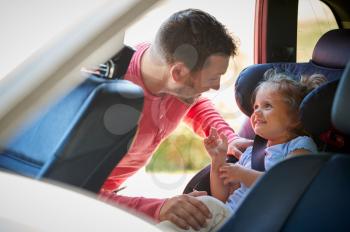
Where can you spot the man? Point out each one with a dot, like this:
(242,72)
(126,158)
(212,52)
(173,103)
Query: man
(190,53)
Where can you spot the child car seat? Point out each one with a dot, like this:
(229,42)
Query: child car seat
(303,193)
(327,60)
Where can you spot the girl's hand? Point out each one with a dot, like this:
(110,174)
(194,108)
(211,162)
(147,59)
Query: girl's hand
(238,145)
(216,145)
(233,187)
(231,173)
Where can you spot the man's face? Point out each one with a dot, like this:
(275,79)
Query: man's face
(203,80)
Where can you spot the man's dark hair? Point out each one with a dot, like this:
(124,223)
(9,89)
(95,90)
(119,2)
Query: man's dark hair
(191,36)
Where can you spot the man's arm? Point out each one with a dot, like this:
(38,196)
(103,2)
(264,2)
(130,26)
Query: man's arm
(148,207)
(184,210)
(203,115)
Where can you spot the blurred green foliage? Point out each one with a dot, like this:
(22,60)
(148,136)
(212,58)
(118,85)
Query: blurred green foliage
(181,151)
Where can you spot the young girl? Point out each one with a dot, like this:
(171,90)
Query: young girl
(276,118)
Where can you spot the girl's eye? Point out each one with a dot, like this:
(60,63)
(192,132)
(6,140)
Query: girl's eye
(267,105)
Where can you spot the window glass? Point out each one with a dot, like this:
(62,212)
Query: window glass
(26,26)
(314,19)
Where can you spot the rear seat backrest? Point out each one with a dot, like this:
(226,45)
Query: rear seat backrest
(332,49)
(81,138)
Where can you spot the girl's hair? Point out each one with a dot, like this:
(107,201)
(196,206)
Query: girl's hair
(291,89)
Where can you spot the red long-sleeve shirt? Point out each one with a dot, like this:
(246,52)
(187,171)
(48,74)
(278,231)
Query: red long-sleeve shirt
(160,116)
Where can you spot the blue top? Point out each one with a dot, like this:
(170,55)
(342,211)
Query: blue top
(274,154)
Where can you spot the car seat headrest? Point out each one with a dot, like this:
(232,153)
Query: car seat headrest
(333,49)
(341,107)
(330,56)
(316,106)
(250,77)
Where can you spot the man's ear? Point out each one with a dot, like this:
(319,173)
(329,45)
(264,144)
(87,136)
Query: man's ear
(179,72)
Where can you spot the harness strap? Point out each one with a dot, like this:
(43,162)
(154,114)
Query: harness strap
(258,154)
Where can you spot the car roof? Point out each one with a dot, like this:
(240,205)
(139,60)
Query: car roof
(341,10)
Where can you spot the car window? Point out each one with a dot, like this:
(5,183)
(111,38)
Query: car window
(26,27)
(314,19)
(53,66)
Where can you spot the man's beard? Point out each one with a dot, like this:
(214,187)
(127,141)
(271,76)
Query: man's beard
(188,100)
(187,94)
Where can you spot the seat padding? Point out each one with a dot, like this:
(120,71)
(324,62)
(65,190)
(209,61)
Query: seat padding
(35,144)
(341,109)
(286,182)
(325,204)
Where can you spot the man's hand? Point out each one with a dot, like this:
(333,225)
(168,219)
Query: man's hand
(238,145)
(186,211)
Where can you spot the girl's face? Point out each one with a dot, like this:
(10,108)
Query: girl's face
(272,118)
